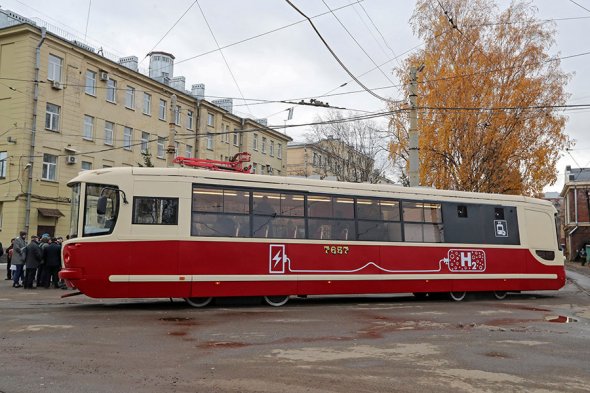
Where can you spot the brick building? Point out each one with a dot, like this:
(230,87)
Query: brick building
(576,194)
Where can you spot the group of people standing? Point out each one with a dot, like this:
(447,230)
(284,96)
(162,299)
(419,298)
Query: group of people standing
(35,264)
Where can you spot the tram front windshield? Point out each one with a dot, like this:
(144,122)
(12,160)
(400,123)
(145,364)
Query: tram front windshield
(100,222)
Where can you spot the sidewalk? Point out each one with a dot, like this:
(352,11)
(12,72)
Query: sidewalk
(579,275)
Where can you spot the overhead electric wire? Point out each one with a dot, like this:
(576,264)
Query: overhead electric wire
(356,42)
(169,30)
(222,55)
(579,5)
(87,19)
(263,34)
(335,56)
(376,28)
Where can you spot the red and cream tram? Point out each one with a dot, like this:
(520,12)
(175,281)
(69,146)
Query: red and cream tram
(197,234)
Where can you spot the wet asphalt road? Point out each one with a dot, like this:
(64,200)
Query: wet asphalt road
(530,342)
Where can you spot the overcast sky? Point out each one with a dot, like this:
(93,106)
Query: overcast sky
(290,62)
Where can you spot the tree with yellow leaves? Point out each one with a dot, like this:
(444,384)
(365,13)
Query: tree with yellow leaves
(487,98)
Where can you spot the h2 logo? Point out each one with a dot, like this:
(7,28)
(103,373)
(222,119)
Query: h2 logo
(466,260)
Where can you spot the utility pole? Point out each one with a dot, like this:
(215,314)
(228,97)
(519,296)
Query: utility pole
(171,149)
(414,135)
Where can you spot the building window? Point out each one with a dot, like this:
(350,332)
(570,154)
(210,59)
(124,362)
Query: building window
(272,149)
(145,137)
(209,141)
(210,119)
(317,159)
(130,97)
(127,137)
(3,159)
(225,135)
(189,151)
(254,167)
(86,166)
(112,90)
(88,128)
(52,117)
(176,149)
(49,167)
(54,69)
(147,104)
(235,138)
(90,87)
(279,151)
(255,142)
(161,142)
(189,120)
(162,110)
(109,128)
(263,145)
(177,115)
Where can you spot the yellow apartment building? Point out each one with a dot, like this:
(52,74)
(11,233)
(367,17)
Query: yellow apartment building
(329,158)
(65,107)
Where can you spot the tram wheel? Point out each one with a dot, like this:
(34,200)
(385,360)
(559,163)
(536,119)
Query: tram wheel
(198,301)
(458,296)
(276,301)
(500,295)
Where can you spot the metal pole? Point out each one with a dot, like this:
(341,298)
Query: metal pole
(413,142)
(171,149)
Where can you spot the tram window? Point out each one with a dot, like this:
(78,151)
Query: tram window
(390,210)
(217,200)
(330,207)
(325,229)
(343,207)
(153,210)
(368,209)
(433,233)
(432,212)
(462,211)
(499,213)
(278,227)
(372,230)
(220,225)
(207,200)
(413,211)
(319,206)
(236,201)
(266,204)
(426,233)
(413,233)
(292,205)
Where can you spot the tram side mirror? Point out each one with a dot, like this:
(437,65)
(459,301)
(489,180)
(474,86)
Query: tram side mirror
(101,205)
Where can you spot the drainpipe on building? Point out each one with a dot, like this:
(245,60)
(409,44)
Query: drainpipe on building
(33,128)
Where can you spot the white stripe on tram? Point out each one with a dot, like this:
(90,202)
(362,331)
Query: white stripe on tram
(323,277)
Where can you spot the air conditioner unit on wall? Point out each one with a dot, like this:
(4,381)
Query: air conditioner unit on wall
(104,76)
(56,85)
(71,159)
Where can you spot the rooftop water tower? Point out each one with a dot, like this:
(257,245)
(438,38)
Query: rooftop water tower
(161,66)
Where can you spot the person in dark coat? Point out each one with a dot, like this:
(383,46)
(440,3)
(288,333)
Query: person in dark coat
(32,261)
(52,257)
(9,259)
(18,258)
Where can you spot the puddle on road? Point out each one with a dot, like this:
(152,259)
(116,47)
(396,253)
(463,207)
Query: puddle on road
(223,344)
(560,319)
(175,319)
